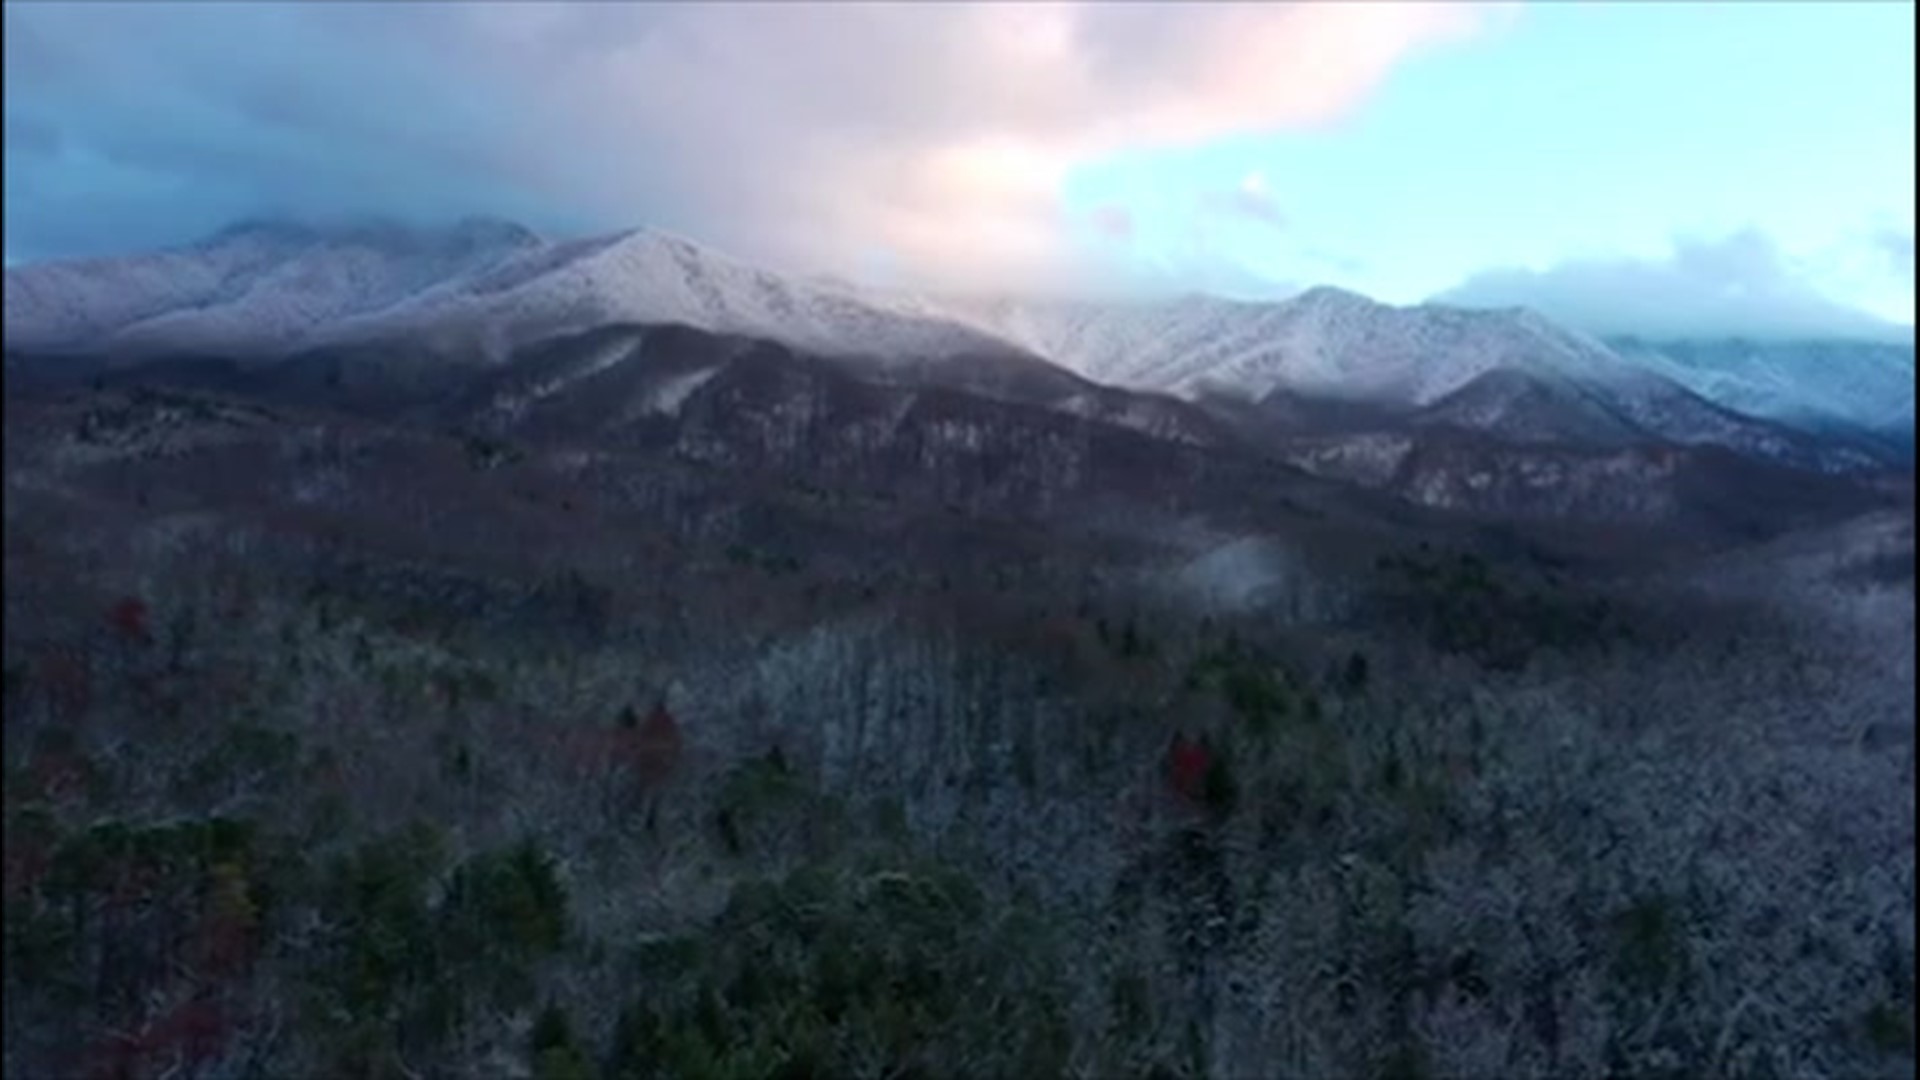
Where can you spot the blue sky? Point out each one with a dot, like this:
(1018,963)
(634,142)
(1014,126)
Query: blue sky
(1685,167)
(1581,132)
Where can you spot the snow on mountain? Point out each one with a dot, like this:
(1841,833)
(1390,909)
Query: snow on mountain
(1817,385)
(255,287)
(604,356)
(481,286)
(651,277)
(485,290)
(1325,342)
(1509,372)
(326,282)
(674,392)
(1522,407)
(82,303)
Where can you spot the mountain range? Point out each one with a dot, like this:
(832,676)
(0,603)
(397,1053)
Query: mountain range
(1328,381)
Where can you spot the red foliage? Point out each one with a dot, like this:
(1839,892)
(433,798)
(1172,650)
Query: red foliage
(130,617)
(1187,764)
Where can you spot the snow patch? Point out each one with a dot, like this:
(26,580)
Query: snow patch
(666,397)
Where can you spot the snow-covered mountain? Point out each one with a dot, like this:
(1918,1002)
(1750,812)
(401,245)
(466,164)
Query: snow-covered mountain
(486,290)
(1815,385)
(482,286)
(1325,342)
(1510,372)
(261,287)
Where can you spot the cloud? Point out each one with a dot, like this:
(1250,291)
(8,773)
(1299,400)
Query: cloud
(1249,201)
(796,134)
(1737,285)
(1895,244)
(1113,221)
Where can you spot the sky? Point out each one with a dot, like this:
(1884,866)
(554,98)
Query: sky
(1655,167)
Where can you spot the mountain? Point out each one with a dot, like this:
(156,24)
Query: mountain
(482,287)
(484,292)
(1006,439)
(256,287)
(1329,351)
(1326,342)
(1857,388)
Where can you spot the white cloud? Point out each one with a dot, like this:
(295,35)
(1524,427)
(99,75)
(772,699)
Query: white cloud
(1741,284)
(944,132)
(800,134)
(1895,244)
(1250,201)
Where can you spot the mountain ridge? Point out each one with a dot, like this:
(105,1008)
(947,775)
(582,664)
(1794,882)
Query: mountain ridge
(483,290)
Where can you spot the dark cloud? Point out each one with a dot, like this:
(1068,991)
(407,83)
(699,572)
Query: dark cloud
(1738,285)
(147,124)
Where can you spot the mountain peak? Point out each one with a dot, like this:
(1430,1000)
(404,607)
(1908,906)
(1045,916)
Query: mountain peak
(1335,298)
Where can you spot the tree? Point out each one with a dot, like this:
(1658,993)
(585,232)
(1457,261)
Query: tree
(1354,675)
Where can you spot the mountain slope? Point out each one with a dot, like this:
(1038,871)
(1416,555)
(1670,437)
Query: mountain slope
(1857,387)
(481,287)
(1006,446)
(486,292)
(1330,358)
(1325,342)
(255,287)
